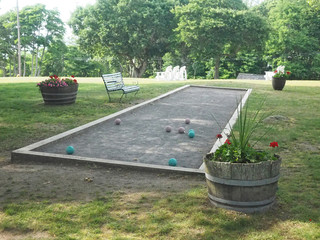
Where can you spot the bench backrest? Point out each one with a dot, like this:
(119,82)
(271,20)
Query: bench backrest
(113,82)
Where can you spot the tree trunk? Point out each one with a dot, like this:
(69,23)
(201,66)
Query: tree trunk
(14,68)
(24,62)
(216,67)
(32,64)
(4,71)
(36,68)
(137,72)
(40,62)
(9,67)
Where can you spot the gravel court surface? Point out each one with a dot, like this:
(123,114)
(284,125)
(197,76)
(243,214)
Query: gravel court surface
(141,136)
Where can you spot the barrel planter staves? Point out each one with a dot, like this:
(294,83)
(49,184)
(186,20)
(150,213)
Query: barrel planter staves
(59,95)
(244,187)
(278,83)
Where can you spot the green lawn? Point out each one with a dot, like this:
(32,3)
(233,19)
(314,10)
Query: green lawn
(24,119)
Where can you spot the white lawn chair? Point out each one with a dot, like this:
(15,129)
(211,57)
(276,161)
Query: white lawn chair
(268,75)
(175,73)
(183,73)
(167,75)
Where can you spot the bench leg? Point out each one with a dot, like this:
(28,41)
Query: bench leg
(121,97)
(109,96)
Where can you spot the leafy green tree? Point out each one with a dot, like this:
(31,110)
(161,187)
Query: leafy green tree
(295,37)
(134,31)
(55,57)
(8,48)
(314,3)
(213,29)
(39,28)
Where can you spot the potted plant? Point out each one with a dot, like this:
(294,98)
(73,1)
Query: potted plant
(279,78)
(239,176)
(56,91)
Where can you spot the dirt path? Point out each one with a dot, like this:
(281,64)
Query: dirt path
(21,182)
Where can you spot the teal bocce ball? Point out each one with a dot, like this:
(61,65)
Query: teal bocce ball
(191,133)
(172,162)
(70,150)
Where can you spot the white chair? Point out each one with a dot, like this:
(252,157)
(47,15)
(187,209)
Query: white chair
(175,73)
(183,73)
(167,75)
(268,75)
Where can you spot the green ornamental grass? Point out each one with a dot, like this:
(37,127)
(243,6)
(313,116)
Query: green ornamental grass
(238,147)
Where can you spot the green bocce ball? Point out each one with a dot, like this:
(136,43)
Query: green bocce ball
(172,162)
(70,150)
(191,133)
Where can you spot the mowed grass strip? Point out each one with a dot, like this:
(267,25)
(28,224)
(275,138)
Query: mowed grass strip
(24,119)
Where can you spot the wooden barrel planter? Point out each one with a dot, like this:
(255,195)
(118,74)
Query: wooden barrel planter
(244,187)
(278,83)
(59,96)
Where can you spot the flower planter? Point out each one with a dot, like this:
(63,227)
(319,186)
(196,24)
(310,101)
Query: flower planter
(244,187)
(278,83)
(59,95)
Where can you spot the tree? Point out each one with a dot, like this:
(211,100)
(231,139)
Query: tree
(295,37)
(39,28)
(213,29)
(134,31)
(8,47)
(314,3)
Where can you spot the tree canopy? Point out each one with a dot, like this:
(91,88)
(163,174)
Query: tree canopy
(213,29)
(133,30)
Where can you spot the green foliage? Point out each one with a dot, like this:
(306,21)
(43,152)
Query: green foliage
(294,39)
(234,154)
(133,31)
(238,148)
(213,29)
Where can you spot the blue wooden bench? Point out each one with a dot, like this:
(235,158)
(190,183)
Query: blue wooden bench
(114,82)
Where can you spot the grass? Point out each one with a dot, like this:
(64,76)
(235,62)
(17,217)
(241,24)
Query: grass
(157,215)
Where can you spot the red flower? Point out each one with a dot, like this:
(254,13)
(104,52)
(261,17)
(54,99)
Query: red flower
(55,76)
(274,144)
(228,141)
(75,80)
(51,77)
(72,76)
(288,73)
(275,71)
(219,136)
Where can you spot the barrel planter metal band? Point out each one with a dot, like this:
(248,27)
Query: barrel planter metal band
(243,183)
(245,187)
(59,96)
